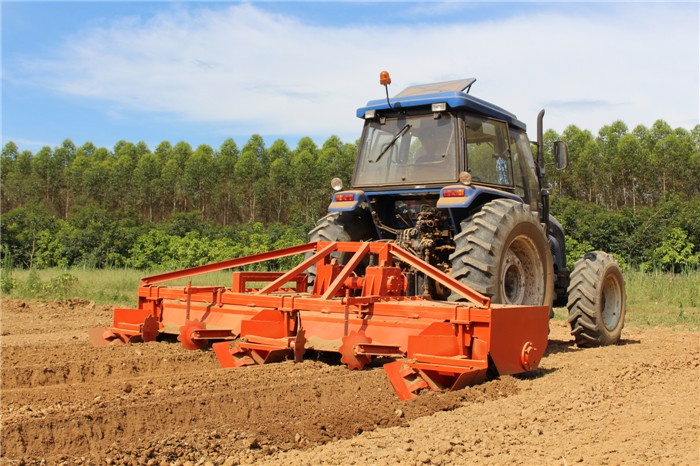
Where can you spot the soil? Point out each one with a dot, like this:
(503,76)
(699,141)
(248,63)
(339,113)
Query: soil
(64,401)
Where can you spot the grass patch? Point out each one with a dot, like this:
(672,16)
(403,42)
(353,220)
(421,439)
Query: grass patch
(660,298)
(653,298)
(114,287)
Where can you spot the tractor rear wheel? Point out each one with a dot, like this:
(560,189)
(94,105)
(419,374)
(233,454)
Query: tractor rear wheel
(597,300)
(502,252)
(341,226)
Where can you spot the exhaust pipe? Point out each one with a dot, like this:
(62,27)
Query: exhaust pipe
(540,143)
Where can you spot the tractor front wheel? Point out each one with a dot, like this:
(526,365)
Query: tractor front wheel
(597,300)
(502,252)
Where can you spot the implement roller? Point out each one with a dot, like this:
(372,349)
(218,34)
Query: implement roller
(360,309)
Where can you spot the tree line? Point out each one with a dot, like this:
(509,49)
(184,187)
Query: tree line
(635,193)
(226,185)
(619,168)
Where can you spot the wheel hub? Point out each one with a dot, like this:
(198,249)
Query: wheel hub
(611,302)
(513,280)
(522,273)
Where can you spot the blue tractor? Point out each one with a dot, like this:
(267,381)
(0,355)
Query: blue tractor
(452,179)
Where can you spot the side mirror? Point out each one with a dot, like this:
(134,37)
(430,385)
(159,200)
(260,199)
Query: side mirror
(561,155)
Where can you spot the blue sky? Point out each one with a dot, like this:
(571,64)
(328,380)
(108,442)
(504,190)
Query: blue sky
(202,72)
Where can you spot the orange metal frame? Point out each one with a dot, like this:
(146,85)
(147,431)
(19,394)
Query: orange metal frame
(438,345)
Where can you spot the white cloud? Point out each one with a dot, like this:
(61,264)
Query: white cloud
(255,71)
(29,144)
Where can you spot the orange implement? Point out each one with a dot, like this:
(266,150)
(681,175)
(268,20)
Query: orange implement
(359,310)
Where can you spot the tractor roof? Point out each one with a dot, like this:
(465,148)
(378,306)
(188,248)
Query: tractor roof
(451,92)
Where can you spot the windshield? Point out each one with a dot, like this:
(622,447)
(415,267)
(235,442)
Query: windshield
(415,149)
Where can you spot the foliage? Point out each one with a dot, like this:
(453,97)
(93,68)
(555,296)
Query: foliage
(22,229)
(575,249)
(61,286)
(675,252)
(225,185)
(623,169)
(7,282)
(633,193)
(633,239)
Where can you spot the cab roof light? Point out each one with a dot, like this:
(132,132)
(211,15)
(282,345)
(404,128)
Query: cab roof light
(439,107)
(384,78)
(370,114)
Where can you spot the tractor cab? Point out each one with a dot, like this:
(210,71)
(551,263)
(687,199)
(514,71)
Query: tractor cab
(431,137)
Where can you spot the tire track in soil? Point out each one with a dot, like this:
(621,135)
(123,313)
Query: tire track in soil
(632,403)
(81,363)
(65,401)
(278,405)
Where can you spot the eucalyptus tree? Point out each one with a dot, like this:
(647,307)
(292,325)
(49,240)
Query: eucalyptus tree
(225,197)
(199,177)
(248,172)
(147,183)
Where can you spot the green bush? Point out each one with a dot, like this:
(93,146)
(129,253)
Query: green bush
(674,254)
(158,249)
(575,249)
(62,286)
(7,282)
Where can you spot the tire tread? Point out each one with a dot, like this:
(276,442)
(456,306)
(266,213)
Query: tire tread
(474,261)
(585,320)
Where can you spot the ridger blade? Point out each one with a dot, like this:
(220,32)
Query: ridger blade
(349,351)
(101,336)
(437,345)
(188,336)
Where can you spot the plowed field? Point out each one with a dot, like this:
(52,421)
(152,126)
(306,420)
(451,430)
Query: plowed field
(64,401)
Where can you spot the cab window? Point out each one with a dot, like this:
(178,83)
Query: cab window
(524,168)
(488,151)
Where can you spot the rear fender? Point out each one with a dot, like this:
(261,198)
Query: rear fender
(460,206)
(340,204)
